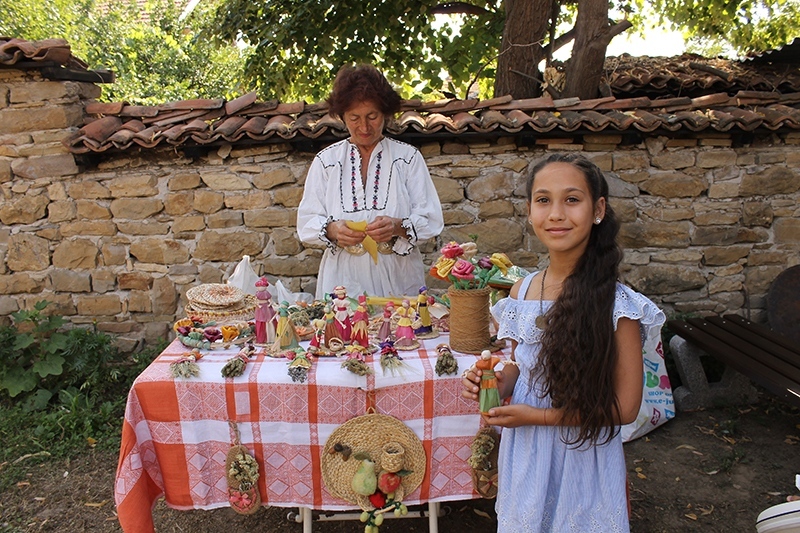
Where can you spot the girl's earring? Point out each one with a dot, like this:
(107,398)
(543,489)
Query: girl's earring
(598,220)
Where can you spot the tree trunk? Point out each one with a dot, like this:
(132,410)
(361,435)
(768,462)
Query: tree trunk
(592,35)
(521,51)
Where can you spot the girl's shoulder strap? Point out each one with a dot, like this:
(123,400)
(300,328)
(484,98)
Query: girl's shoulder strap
(526,283)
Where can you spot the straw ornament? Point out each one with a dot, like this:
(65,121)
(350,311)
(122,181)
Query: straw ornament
(367,436)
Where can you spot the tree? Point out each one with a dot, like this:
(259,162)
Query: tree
(299,44)
(156,58)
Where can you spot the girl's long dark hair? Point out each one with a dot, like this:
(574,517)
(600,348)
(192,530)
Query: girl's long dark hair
(579,354)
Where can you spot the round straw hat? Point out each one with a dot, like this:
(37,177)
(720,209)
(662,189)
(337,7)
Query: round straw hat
(368,434)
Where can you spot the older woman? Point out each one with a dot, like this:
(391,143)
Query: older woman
(372,179)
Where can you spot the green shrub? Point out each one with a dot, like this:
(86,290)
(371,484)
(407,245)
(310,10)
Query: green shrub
(61,392)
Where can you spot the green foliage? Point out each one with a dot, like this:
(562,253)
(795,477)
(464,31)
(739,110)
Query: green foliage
(156,57)
(299,45)
(39,363)
(71,412)
(744,25)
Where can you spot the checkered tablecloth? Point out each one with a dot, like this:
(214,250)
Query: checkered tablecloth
(176,433)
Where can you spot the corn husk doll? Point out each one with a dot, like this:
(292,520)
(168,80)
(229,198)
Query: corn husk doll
(287,334)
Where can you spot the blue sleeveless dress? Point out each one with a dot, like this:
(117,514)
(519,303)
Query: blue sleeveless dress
(545,485)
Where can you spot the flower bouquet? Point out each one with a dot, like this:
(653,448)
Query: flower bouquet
(459,264)
(469,291)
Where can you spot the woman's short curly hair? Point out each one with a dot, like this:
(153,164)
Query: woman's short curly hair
(354,85)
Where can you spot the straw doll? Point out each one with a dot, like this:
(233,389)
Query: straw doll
(360,333)
(426,329)
(287,335)
(331,332)
(265,326)
(488,396)
(341,306)
(404,334)
(385,331)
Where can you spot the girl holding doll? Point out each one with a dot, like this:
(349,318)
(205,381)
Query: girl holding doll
(576,371)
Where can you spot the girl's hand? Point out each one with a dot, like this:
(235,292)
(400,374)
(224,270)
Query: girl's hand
(510,416)
(383,228)
(339,233)
(471,384)
(506,380)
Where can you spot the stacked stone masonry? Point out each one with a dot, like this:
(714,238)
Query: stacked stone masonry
(117,241)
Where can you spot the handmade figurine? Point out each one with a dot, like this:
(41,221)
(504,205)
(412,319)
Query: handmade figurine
(332,340)
(385,331)
(235,366)
(265,326)
(360,333)
(356,360)
(299,366)
(425,329)
(445,362)
(341,306)
(316,346)
(404,334)
(390,359)
(488,396)
(286,335)
(186,366)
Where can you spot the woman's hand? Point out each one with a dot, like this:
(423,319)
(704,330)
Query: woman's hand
(383,228)
(342,235)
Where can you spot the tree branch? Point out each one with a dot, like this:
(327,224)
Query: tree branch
(552,91)
(559,43)
(618,28)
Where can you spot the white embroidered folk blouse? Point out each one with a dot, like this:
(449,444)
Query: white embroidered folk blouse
(398,185)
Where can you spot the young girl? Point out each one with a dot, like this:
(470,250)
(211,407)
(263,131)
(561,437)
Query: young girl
(576,372)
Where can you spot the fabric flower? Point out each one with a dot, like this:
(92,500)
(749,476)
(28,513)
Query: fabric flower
(452,250)
(443,266)
(435,273)
(485,263)
(470,250)
(463,269)
(502,262)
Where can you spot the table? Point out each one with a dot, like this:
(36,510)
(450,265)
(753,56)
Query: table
(176,432)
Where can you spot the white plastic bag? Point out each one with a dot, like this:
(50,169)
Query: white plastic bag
(244,277)
(283,294)
(658,405)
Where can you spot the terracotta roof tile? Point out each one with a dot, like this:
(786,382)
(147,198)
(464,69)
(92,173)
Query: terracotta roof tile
(686,94)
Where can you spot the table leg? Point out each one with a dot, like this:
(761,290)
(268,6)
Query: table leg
(305,513)
(433,517)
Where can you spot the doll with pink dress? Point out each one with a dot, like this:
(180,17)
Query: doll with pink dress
(404,333)
(385,331)
(264,314)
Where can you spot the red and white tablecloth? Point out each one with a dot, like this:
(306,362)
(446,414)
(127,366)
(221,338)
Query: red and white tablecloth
(176,433)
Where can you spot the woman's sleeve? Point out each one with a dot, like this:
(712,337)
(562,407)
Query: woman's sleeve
(312,214)
(425,219)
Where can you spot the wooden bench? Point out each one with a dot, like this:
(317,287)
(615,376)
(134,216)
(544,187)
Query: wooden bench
(749,351)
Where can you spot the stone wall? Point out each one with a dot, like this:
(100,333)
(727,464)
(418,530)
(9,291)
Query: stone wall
(118,240)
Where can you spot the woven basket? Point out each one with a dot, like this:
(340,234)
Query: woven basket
(215,295)
(469,320)
(242,311)
(368,434)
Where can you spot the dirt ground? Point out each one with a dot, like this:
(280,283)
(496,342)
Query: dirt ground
(710,471)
